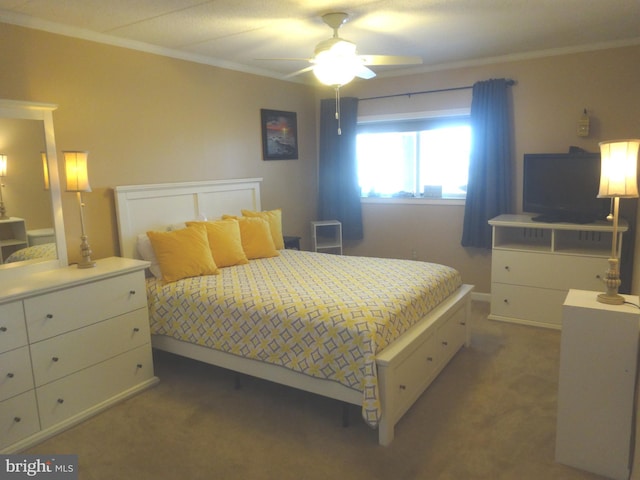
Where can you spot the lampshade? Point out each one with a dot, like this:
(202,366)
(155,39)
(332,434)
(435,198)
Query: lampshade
(45,170)
(3,165)
(76,171)
(337,64)
(619,169)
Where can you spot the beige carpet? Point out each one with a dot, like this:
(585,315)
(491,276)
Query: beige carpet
(490,415)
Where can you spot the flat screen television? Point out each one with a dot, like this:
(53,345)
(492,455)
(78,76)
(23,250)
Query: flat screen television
(563,187)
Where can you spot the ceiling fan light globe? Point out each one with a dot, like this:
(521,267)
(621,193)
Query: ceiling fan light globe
(335,70)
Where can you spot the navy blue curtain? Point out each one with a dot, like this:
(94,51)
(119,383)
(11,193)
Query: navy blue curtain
(489,185)
(338,189)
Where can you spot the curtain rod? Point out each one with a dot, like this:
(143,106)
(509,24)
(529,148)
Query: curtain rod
(408,94)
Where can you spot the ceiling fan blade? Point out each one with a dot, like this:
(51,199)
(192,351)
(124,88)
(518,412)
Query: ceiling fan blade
(364,72)
(283,59)
(298,72)
(390,60)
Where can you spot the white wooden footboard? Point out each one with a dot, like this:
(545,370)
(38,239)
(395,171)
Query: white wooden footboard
(408,366)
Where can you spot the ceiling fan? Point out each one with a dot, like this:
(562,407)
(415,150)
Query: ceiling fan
(336,61)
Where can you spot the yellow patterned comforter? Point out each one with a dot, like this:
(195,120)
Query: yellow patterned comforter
(322,315)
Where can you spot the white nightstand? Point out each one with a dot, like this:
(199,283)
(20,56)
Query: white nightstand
(13,236)
(327,236)
(598,360)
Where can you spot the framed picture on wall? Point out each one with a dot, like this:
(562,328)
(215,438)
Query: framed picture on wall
(279,135)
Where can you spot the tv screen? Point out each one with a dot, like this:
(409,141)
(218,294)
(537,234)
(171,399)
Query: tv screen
(563,187)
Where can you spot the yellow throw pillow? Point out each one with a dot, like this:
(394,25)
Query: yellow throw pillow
(183,253)
(225,242)
(256,238)
(274,217)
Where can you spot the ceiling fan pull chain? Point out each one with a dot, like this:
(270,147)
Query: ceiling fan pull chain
(338,109)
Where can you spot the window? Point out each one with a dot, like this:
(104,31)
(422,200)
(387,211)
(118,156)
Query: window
(414,158)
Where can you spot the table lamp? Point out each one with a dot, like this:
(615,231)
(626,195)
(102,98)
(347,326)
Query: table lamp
(618,179)
(78,181)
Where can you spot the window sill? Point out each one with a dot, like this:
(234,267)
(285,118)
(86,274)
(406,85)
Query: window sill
(449,202)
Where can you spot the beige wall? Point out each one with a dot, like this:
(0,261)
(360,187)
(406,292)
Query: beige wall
(147,119)
(150,119)
(548,99)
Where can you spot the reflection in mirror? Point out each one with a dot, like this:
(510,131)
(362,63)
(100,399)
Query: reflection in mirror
(32,237)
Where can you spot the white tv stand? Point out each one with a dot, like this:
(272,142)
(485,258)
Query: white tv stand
(534,264)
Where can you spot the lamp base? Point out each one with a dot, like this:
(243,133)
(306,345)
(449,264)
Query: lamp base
(614,299)
(86,261)
(612,283)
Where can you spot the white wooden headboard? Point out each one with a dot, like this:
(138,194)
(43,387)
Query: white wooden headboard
(140,208)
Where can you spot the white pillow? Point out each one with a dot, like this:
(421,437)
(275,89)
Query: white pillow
(145,249)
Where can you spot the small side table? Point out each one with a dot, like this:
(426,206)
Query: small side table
(598,359)
(292,242)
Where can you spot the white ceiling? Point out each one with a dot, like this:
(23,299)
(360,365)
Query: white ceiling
(241,34)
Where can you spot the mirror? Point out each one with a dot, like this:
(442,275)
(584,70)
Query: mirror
(32,237)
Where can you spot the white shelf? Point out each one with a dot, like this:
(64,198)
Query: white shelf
(326,236)
(13,236)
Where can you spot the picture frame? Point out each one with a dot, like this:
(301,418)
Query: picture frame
(279,135)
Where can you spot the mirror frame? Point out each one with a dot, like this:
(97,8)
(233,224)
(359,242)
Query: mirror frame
(43,112)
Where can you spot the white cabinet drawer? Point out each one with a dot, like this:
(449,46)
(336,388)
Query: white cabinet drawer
(75,393)
(554,271)
(18,418)
(531,304)
(58,312)
(15,372)
(13,333)
(62,355)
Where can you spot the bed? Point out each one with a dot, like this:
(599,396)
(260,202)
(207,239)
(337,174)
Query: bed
(322,323)
(44,251)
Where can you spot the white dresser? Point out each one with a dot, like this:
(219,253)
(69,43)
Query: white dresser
(72,343)
(535,264)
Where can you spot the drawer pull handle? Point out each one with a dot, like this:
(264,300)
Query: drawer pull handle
(136,329)
(139,365)
(445,343)
(3,329)
(61,401)
(17,419)
(506,301)
(403,387)
(49,315)
(10,375)
(429,359)
(507,268)
(132,292)
(55,359)
(464,324)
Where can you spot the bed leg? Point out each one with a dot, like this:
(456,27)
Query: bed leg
(237,383)
(345,414)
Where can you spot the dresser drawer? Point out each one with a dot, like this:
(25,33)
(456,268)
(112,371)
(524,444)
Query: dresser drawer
(58,312)
(15,372)
(13,333)
(64,354)
(531,304)
(554,271)
(405,386)
(87,388)
(18,418)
